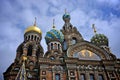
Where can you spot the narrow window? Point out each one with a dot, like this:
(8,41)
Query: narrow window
(51,46)
(29,37)
(82,76)
(55,46)
(92,77)
(35,38)
(74,41)
(100,77)
(65,45)
(32,37)
(29,50)
(58,46)
(57,76)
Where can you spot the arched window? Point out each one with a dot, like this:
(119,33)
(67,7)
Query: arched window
(29,50)
(25,37)
(32,37)
(57,76)
(100,77)
(52,58)
(35,38)
(55,46)
(58,46)
(64,45)
(51,46)
(74,40)
(29,37)
(92,77)
(82,76)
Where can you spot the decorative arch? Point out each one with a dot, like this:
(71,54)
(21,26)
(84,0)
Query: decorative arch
(87,46)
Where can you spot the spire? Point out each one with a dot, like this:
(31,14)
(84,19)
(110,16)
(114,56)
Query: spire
(53,23)
(65,10)
(35,22)
(66,17)
(22,72)
(94,29)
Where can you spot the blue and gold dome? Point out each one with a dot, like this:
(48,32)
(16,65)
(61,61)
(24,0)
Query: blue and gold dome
(99,40)
(54,35)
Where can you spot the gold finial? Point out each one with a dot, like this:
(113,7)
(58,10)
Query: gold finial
(35,22)
(53,23)
(93,26)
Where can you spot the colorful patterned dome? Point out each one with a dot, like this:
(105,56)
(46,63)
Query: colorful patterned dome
(99,39)
(54,35)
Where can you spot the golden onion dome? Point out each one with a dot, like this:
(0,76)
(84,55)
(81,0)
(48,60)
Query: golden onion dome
(33,28)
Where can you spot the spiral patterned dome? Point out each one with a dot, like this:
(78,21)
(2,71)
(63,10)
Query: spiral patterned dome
(54,35)
(99,40)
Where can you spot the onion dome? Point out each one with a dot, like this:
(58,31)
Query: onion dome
(33,28)
(66,16)
(54,35)
(99,40)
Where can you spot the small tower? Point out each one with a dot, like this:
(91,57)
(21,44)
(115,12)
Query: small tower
(71,34)
(54,39)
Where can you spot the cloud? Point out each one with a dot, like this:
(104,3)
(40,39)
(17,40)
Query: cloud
(17,15)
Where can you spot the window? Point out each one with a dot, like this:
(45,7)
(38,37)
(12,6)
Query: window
(35,38)
(29,37)
(55,46)
(91,77)
(43,78)
(26,38)
(65,45)
(52,58)
(82,76)
(74,41)
(43,72)
(51,46)
(72,73)
(58,46)
(100,77)
(72,78)
(57,76)
(30,50)
(32,37)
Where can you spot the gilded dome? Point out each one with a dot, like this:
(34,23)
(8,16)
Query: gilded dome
(99,39)
(33,28)
(54,35)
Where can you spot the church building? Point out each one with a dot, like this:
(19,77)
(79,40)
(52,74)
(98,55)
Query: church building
(68,56)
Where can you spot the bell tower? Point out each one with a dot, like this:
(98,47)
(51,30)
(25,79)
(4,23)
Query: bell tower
(32,50)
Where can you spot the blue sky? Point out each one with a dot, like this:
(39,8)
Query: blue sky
(17,15)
